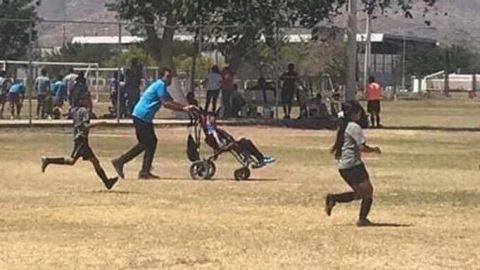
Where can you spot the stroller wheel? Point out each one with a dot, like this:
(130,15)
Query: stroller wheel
(200,170)
(242,174)
(212,169)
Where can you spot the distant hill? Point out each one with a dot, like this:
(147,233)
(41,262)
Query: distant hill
(461,25)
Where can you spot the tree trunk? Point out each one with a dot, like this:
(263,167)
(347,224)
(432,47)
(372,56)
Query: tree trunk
(161,50)
(237,51)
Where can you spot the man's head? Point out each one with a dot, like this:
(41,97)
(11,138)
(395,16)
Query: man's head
(71,71)
(44,72)
(291,67)
(167,76)
(3,73)
(371,79)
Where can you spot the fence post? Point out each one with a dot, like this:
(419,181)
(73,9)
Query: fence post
(277,69)
(119,72)
(29,84)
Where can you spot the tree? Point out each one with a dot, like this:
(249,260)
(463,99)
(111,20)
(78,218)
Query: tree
(247,20)
(153,17)
(15,36)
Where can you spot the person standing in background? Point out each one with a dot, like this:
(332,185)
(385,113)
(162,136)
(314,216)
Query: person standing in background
(42,87)
(134,77)
(214,82)
(228,85)
(69,82)
(290,79)
(16,95)
(5,84)
(373,95)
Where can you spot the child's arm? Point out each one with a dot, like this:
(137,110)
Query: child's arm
(94,125)
(370,149)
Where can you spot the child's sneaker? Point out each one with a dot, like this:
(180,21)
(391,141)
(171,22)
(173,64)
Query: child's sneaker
(44,164)
(266,160)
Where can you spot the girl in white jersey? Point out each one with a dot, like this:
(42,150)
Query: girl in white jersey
(349,145)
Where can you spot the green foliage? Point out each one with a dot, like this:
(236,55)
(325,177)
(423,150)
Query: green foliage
(82,53)
(125,58)
(15,36)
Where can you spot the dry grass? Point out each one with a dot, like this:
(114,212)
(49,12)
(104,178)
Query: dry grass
(426,181)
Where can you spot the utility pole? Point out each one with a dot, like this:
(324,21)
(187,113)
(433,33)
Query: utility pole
(368,48)
(351,90)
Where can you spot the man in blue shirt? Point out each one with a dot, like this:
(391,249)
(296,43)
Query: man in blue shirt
(144,111)
(16,95)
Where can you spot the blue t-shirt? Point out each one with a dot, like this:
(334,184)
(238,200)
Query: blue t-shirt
(17,88)
(59,90)
(151,100)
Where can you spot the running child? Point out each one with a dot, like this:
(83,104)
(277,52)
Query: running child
(81,127)
(16,94)
(348,146)
(221,141)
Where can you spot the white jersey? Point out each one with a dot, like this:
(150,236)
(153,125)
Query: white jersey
(214,81)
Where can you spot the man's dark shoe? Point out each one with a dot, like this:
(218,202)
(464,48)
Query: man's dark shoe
(147,176)
(118,168)
(109,183)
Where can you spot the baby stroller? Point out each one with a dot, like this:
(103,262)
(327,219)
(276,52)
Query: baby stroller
(204,168)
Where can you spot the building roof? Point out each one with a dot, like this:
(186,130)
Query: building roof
(382,37)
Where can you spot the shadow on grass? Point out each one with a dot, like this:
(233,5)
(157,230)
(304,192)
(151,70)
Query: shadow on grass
(124,192)
(209,180)
(382,224)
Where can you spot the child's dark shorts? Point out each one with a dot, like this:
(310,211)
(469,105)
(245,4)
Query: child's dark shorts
(355,175)
(82,149)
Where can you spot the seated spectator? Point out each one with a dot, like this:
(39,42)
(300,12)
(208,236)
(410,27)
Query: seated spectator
(317,108)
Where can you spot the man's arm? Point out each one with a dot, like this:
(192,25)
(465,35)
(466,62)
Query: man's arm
(175,106)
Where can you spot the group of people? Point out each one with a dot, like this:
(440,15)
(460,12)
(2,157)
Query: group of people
(217,82)
(349,144)
(53,94)
(13,92)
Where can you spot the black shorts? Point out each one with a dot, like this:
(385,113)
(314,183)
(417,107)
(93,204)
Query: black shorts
(81,149)
(3,98)
(355,175)
(287,97)
(373,106)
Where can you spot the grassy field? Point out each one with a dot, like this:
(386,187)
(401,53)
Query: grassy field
(427,192)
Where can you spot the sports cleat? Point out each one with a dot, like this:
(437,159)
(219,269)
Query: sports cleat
(364,223)
(44,164)
(118,168)
(329,204)
(147,176)
(109,183)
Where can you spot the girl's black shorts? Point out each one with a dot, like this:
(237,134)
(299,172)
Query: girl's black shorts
(355,175)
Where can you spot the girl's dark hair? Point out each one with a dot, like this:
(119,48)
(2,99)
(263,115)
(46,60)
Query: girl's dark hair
(349,109)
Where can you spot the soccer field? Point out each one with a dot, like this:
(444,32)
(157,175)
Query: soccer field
(427,192)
